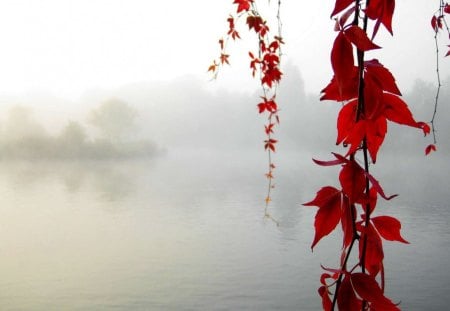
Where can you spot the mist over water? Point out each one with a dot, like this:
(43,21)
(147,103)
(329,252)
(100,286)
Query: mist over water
(160,205)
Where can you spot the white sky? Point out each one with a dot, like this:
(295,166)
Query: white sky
(65,47)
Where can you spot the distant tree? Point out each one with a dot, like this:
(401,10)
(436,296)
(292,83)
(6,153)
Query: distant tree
(73,134)
(21,125)
(115,119)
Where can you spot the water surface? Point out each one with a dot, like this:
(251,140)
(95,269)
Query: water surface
(186,232)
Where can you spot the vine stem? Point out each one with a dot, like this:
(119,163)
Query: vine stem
(359,113)
(347,256)
(271,165)
(438,76)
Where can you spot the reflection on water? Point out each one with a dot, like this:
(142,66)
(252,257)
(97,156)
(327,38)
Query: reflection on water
(187,233)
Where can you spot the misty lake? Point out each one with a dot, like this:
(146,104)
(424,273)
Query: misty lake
(186,232)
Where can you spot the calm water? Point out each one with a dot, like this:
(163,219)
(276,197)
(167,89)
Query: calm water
(187,233)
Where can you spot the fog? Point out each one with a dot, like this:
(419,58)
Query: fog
(188,113)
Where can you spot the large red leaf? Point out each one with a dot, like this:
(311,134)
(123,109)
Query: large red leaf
(381,11)
(396,110)
(355,136)
(353,181)
(326,301)
(375,133)
(359,38)
(368,289)
(373,98)
(389,228)
(346,298)
(342,61)
(382,76)
(373,257)
(346,121)
(328,200)
(343,92)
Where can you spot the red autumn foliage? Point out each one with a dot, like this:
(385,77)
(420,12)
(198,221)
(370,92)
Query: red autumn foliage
(370,98)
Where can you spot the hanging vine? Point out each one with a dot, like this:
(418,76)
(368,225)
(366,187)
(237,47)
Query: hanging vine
(438,23)
(264,64)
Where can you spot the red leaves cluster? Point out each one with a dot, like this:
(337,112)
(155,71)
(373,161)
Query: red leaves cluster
(265,65)
(438,20)
(243,5)
(269,62)
(359,121)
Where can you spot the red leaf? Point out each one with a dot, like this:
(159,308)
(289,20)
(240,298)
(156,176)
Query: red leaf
(328,200)
(343,92)
(326,301)
(347,217)
(447,8)
(243,5)
(374,255)
(396,110)
(434,23)
(359,38)
(425,128)
(368,289)
(430,148)
(271,75)
(346,298)
(346,121)
(269,128)
(340,6)
(382,76)
(342,61)
(381,11)
(371,199)
(270,144)
(389,228)
(375,133)
(257,24)
(352,180)
(224,58)
(328,163)
(378,188)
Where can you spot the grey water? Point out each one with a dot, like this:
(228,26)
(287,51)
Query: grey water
(186,232)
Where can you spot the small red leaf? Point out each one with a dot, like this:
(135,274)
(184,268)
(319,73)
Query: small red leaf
(434,23)
(430,148)
(447,8)
(270,144)
(389,228)
(243,5)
